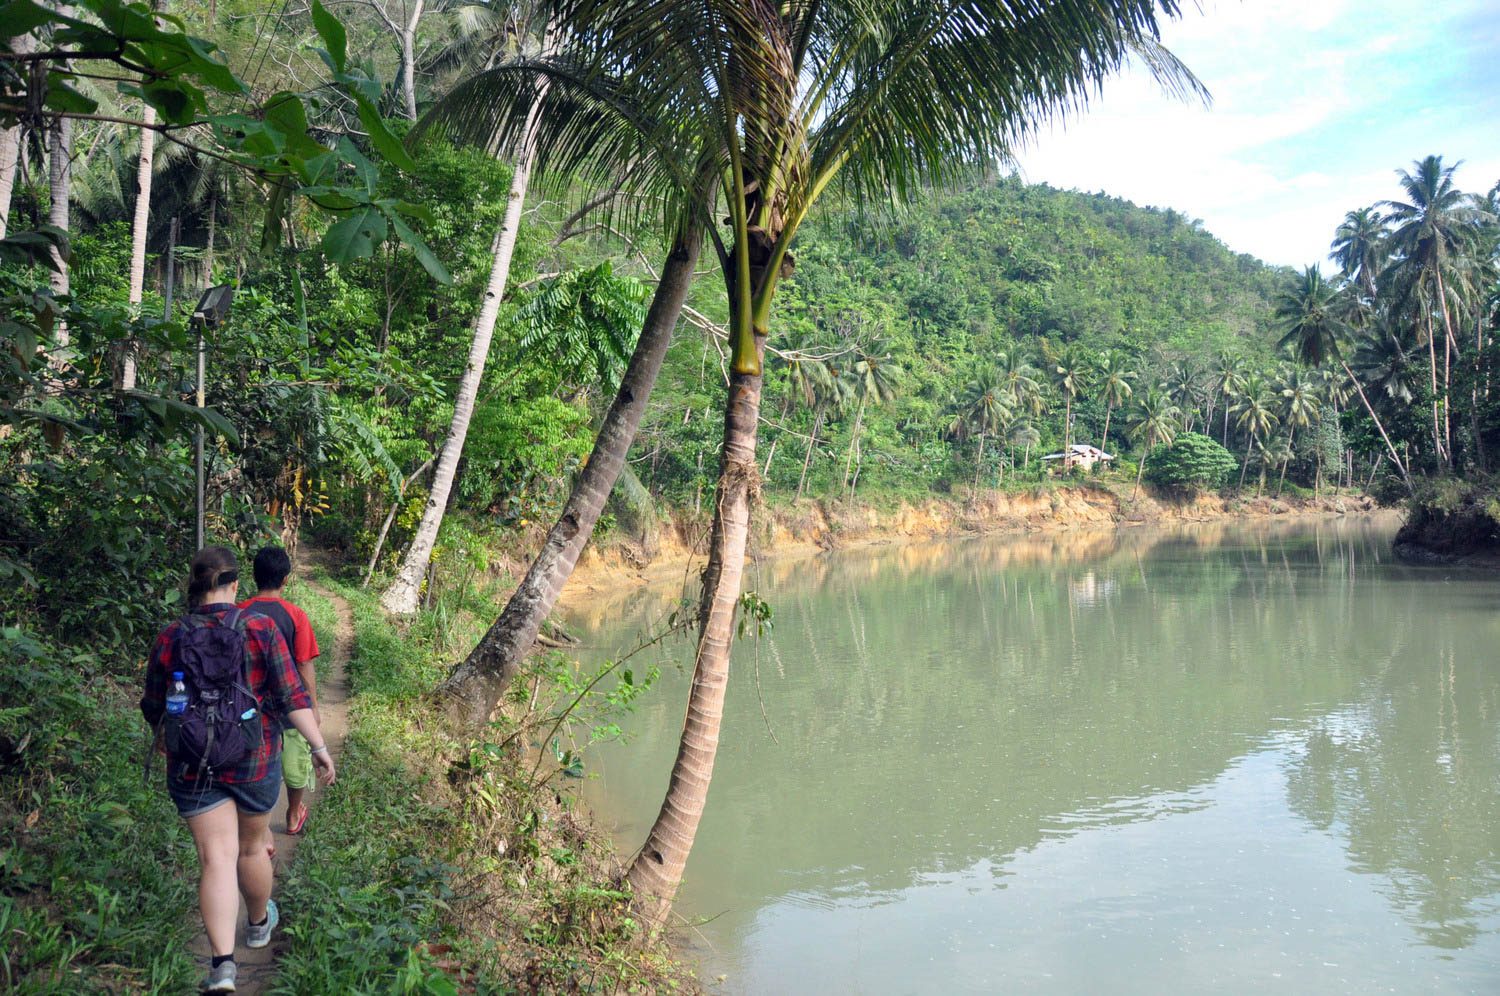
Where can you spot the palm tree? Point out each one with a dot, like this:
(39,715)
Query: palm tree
(1279,453)
(1185,386)
(804,372)
(872,380)
(985,408)
(1431,231)
(1256,417)
(1020,380)
(1308,310)
(831,392)
(1154,421)
(1300,407)
(1115,375)
(877,98)
(1228,378)
(1025,435)
(1069,366)
(1360,248)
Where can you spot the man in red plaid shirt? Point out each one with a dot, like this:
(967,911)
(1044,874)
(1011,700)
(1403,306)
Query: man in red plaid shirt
(234,840)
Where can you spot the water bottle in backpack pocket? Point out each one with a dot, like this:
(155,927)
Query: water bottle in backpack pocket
(212,721)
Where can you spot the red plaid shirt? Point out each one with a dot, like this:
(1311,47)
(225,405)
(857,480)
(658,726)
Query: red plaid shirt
(273,680)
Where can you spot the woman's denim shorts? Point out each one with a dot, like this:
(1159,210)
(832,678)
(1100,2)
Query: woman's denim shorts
(202,794)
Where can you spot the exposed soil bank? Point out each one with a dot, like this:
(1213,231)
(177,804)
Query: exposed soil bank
(814,526)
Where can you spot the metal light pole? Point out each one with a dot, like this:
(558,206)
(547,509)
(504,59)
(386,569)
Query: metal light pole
(212,309)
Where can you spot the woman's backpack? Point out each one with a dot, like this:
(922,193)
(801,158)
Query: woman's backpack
(221,725)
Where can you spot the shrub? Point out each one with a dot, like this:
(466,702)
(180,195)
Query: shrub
(1193,461)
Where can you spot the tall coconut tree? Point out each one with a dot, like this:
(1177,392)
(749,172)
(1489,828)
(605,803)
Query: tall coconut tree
(1228,377)
(1115,378)
(1431,231)
(1154,421)
(986,406)
(1256,416)
(873,381)
(1360,248)
(876,98)
(1308,309)
(1068,368)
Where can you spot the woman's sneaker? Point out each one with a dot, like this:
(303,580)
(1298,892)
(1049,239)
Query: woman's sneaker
(258,936)
(221,979)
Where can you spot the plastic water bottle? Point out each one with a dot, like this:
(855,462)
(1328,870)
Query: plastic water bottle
(177,697)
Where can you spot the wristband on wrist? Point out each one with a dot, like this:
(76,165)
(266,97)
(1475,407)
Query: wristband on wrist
(321,749)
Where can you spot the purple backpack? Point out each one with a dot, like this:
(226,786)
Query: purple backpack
(221,725)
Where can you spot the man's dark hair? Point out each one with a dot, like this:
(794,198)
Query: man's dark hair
(272,565)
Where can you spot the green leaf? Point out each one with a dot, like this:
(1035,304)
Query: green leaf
(61,97)
(385,143)
(21,17)
(356,236)
(425,256)
(331,30)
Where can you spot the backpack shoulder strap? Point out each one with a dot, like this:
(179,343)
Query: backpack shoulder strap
(278,614)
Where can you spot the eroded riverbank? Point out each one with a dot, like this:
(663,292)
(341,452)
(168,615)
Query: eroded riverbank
(677,548)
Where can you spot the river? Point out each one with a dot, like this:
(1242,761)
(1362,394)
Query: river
(1216,758)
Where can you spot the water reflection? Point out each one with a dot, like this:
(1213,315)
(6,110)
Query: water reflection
(1032,738)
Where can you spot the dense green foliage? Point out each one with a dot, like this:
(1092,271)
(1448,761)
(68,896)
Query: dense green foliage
(1192,461)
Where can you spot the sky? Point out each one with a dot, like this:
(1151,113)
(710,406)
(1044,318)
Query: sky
(1314,106)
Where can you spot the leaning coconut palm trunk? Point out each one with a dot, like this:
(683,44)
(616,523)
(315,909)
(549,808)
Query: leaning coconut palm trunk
(474,687)
(655,873)
(404,594)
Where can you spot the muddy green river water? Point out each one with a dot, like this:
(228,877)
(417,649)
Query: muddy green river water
(1249,758)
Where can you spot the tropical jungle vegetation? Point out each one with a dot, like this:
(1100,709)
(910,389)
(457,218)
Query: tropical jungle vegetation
(572,267)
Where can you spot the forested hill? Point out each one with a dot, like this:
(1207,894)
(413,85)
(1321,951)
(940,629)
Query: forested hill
(1022,260)
(938,297)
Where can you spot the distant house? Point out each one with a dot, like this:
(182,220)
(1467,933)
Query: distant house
(1080,455)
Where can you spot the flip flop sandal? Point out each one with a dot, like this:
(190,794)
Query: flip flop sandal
(295,825)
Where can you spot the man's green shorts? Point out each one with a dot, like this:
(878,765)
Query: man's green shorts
(296,760)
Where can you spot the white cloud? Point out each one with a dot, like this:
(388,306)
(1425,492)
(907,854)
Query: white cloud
(1307,120)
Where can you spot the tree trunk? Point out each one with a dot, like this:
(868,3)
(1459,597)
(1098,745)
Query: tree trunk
(859,416)
(402,597)
(979,464)
(476,685)
(1437,432)
(1395,459)
(657,870)
(812,442)
(213,227)
(60,183)
(1139,470)
(1243,467)
(1108,411)
(1450,346)
(409,61)
(138,228)
(390,517)
(10,144)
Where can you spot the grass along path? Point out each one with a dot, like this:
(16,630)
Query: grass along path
(334,625)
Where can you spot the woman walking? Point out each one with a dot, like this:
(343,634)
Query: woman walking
(218,683)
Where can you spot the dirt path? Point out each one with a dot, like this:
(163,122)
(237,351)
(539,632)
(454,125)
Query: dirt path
(258,966)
